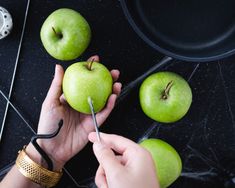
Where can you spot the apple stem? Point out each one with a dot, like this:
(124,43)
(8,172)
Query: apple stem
(167,90)
(58,34)
(89,65)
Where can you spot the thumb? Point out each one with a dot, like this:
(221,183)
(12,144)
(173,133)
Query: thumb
(106,158)
(55,89)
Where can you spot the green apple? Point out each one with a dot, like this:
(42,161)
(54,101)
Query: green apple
(165,97)
(87,79)
(167,161)
(65,34)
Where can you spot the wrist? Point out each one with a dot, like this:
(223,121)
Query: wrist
(37,158)
(31,167)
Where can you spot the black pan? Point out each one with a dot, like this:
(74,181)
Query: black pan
(189,30)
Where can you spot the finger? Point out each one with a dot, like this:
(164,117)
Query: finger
(115,74)
(117,87)
(94,58)
(102,115)
(100,178)
(63,99)
(106,158)
(118,143)
(55,89)
(121,159)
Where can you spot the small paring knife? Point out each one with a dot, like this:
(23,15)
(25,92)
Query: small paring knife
(94,118)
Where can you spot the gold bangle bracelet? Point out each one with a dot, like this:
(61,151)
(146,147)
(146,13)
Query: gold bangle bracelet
(35,172)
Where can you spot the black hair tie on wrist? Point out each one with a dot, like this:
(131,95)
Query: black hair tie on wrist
(46,136)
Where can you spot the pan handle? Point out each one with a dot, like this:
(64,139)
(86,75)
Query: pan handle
(135,82)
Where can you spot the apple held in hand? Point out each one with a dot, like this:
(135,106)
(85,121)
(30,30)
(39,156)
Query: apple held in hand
(65,34)
(87,79)
(165,97)
(167,161)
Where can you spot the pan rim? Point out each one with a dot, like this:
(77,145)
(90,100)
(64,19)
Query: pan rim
(164,51)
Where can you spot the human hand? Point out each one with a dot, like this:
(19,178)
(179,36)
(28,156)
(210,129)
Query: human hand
(132,167)
(73,135)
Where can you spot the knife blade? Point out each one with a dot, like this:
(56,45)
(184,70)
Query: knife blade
(94,119)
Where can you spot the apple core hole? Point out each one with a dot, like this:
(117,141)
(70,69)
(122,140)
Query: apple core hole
(58,34)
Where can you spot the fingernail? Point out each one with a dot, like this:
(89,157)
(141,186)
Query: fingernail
(98,146)
(120,85)
(95,56)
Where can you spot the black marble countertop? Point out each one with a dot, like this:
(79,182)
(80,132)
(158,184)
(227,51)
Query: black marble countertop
(205,137)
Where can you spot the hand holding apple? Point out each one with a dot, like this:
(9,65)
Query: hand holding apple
(74,133)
